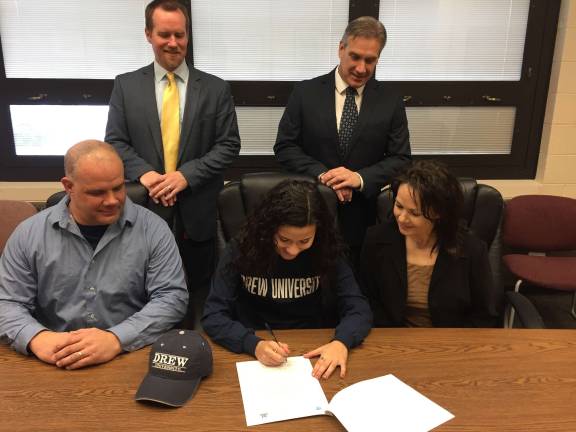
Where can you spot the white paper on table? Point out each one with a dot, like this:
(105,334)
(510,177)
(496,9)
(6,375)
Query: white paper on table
(386,404)
(285,392)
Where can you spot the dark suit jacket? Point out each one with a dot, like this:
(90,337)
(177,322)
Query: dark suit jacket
(209,140)
(462,292)
(307,143)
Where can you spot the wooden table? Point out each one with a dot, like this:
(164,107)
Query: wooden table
(491,380)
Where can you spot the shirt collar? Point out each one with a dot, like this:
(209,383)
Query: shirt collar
(341,85)
(61,214)
(181,72)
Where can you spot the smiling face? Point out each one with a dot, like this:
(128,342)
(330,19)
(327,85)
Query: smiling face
(358,59)
(96,190)
(408,214)
(290,240)
(168,37)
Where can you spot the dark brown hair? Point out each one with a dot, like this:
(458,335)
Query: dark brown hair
(441,199)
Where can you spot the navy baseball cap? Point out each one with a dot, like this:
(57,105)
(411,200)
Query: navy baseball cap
(178,361)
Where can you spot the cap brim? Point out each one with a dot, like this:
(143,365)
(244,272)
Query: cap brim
(174,393)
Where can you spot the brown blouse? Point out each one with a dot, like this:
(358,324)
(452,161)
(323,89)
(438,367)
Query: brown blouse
(417,313)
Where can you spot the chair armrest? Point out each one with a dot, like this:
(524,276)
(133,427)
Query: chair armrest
(525,310)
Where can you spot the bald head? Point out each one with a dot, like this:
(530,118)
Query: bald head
(93,151)
(94,183)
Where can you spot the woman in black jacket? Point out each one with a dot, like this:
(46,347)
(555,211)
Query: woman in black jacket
(286,270)
(423,268)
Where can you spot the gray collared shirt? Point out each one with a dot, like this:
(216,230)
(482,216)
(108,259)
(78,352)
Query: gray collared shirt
(132,284)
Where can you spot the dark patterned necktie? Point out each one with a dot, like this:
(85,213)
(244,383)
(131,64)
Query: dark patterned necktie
(348,120)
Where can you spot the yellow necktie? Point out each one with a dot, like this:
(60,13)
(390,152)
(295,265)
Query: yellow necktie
(170,123)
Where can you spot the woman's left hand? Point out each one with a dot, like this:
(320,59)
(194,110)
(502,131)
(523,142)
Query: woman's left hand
(331,355)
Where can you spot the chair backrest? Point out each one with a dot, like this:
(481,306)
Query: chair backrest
(482,208)
(135,191)
(482,214)
(540,223)
(238,198)
(11,214)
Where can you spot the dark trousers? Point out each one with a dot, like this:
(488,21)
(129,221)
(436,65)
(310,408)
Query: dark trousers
(354,218)
(198,258)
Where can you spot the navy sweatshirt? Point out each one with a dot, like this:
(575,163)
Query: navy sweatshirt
(294,296)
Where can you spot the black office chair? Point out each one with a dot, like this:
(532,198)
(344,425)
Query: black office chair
(482,215)
(238,198)
(482,210)
(135,191)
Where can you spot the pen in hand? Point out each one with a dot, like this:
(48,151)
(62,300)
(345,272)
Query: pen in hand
(273,336)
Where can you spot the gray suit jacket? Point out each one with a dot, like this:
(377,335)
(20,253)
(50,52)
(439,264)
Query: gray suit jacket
(209,140)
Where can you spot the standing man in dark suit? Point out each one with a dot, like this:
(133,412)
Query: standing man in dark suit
(348,130)
(175,128)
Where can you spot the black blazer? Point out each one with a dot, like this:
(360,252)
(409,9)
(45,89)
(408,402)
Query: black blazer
(209,140)
(462,292)
(307,143)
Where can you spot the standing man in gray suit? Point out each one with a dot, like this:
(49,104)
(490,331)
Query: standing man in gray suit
(175,128)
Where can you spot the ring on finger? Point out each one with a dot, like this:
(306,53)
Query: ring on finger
(79,354)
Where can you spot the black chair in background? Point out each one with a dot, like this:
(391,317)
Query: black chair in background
(482,209)
(238,198)
(482,214)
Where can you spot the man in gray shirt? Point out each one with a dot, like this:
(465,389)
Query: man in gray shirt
(93,276)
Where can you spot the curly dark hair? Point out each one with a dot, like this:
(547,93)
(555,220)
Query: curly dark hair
(296,203)
(441,200)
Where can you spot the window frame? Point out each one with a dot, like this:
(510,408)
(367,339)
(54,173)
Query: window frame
(528,96)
